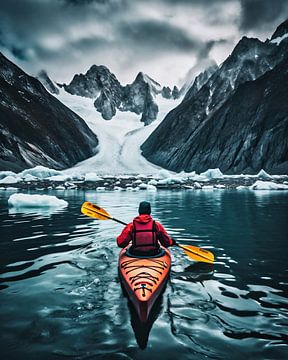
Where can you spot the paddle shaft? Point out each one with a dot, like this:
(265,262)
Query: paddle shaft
(193,252)
(111,218)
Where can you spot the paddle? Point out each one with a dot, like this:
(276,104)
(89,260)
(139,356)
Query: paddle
(193,252)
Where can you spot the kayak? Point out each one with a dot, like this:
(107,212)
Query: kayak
(144,278)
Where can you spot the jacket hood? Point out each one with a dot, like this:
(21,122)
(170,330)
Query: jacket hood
(143,219)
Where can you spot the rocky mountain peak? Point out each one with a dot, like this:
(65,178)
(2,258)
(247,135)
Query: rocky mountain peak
(109,95)
(143,78)
(171,142)
(47,82)
(281,30)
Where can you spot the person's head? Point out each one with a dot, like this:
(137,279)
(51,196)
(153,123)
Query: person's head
(144,208)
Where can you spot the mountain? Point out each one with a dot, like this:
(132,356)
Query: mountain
(100,84)
(109,95)
(281,31)
(35,127)
(47,82)
(198,75)
(180,142)
(139,97)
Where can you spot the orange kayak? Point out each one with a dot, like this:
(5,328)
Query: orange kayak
(144,278)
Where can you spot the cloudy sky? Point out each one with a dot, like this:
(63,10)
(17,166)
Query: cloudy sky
(163,38)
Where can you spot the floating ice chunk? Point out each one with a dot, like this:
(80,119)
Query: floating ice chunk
(100,188)
(27,200)
(137,181)
(143,186)
(208,187)
(170,181)
(268,185)
(188,175)
(41,172)
(60,187)
(118,188)
(148,187)
(220,186)
(92,177)
(263,175)
(10,180)
(241,187)
(151,188)
(11,188)
(212,174)
(3,174)
(59,178)
(164,174)
(200,178)
(29,177)
(153,182)
(197,185)
(130,188)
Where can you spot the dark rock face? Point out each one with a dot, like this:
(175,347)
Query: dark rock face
(47,82)
(175,92)
(100,84)
(166,92)
(249,132)
(181,141)
(139,98)
(36,128)
(281,30)
(199,80)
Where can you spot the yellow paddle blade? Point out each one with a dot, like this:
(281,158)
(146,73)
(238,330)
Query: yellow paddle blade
(95,211)
(197,253)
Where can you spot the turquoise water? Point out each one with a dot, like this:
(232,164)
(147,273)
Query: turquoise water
(61,298)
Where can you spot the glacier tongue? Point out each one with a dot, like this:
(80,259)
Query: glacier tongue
(119,139)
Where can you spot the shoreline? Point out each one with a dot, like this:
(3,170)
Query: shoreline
(138,183)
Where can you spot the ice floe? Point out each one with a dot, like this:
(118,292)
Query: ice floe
(268,185)
(28,200)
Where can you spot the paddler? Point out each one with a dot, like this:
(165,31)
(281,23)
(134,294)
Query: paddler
(144,233)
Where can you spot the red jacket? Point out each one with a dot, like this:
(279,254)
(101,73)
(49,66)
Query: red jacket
(127,234)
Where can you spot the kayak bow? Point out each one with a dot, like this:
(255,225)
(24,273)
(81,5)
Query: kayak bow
(144,279)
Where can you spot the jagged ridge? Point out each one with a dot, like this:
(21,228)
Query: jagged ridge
(171,143)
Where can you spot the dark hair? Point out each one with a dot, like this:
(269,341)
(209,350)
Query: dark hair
(144,208)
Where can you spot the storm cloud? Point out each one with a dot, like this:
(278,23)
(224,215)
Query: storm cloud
(164,38)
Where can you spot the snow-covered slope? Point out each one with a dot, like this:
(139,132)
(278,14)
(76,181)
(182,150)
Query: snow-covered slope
(119,139)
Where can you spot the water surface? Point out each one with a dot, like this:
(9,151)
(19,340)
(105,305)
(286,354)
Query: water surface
(61,297)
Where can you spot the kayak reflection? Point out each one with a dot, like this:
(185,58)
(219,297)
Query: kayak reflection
(195,272)
(142,330)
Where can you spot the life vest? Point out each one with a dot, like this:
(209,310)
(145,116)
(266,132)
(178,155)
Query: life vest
(144,236)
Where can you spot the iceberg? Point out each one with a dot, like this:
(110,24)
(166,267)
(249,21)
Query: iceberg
(4,174)
(28,200)
(92,177)
(268,185)
(10,179)
(40,172)
(212,174)
(263,175)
